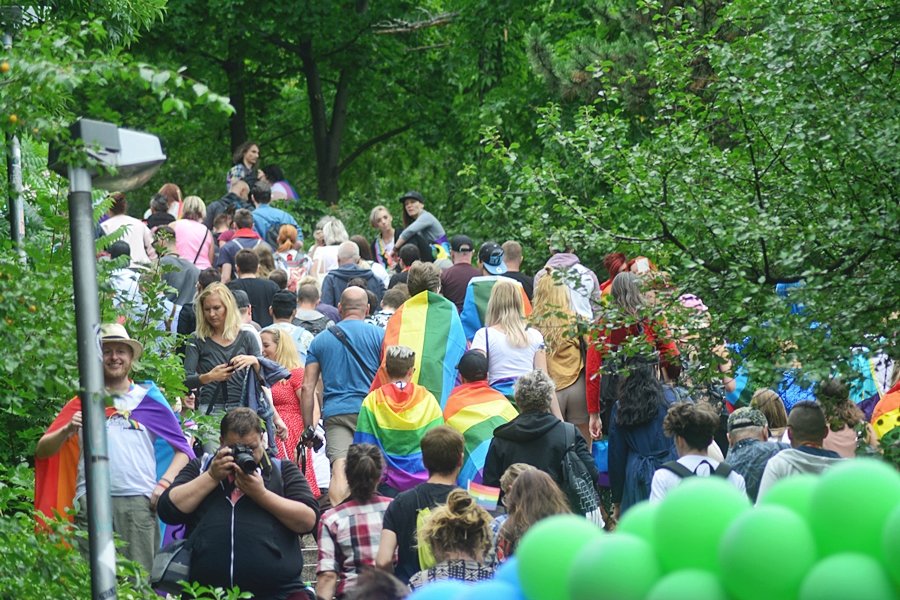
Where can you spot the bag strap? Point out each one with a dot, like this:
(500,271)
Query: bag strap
(487,352)
(342,338)
(723,470)
(676,467)
(221,391)
(203,241)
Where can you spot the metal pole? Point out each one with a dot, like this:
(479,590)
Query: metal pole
(14,178)
(87,321)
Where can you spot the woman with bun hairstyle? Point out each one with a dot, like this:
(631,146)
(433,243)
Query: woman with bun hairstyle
(459,533)
(350,532)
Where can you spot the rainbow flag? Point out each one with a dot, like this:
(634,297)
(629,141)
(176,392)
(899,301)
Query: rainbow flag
(429,324)
(395,420)
(485,496)
(55,477)
(478,292)
(475,410)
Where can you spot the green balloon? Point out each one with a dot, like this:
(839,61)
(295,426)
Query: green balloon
(891,545)
(690,584)
(746,554)
(844,576)
(850,507)
(547,551)
(638,520)
(794,492)
(614,567)
(692,519)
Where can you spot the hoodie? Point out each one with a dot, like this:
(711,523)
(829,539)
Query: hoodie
(582,281)
(336,281)
(538,439)
(795,461)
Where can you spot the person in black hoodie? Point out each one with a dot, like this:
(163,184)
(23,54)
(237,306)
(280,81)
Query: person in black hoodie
(243,527)
(535,437)
(337,280)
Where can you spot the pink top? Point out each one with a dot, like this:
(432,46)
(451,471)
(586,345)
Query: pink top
(189,235)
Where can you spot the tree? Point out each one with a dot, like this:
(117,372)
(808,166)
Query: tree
(774,163)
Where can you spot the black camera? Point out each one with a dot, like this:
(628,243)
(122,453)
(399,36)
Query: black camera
(243,457)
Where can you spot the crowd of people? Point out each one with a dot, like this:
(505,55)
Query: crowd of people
(382,394)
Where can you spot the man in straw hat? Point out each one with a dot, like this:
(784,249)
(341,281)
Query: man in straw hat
(146,451)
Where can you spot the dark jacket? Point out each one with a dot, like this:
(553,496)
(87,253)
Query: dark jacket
(336,281)
(242,544)
(538,439)
(227,202)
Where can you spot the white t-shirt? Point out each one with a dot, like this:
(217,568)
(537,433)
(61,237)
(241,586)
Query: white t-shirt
(665,480)
(504,360)
(132,459)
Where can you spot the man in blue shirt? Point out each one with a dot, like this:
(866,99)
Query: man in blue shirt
(265,216)
(346,356)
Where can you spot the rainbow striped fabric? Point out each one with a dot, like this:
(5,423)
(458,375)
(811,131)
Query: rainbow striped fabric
(395,420)
(478,293)
(475,410)
(485,496)
(55,477)
(429,324)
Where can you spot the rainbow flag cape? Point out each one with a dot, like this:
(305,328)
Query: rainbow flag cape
(475,410)
(395,420)
(429,324)
(478,292)
(485,496)
(54,477)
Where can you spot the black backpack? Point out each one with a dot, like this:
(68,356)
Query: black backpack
(723,470)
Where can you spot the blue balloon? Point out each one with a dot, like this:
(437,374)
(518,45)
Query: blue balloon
(440,590)
(508,572)
(493,589)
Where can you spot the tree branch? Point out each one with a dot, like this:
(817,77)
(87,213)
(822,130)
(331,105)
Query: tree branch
(369,143)
(395,26)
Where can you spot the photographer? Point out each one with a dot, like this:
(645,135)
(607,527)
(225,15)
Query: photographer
(244,513)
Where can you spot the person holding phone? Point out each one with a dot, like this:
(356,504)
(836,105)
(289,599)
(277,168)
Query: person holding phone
(219,350)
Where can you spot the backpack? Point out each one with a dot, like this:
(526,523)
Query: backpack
(314,327)
(577,482)
(723,470)
(271,236)
(426,556)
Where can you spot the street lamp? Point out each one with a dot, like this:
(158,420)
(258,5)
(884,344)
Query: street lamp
(122,160)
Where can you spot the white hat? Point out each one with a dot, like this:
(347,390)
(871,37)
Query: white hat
(113,332)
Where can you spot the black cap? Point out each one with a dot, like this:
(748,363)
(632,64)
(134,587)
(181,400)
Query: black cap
(284,299)
(473,365)
(462,243)
(491,257)
(241,298)
(414,195)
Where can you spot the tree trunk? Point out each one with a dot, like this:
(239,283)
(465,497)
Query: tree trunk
(234,71)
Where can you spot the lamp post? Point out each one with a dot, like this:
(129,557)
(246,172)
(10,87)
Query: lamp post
(10,17)
(124,160)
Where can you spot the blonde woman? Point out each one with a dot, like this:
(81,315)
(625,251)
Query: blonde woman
(334,234)
(555,319)
(193,241)
(459,533)
(512,347)
(769,403)
(219,351)
(278,345)
(383,245)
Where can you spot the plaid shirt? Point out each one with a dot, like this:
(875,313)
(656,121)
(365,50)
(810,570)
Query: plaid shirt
(348,539)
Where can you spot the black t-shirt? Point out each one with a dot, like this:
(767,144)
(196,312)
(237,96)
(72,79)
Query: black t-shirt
(260,292)
(400,518)
(526,281)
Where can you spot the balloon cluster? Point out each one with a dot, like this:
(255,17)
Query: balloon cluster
(836,536)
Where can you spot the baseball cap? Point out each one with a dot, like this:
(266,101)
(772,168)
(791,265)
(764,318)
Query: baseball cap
(241,298)
(473,365)
(491,257)
(412,195)
(746,417)
(461,243)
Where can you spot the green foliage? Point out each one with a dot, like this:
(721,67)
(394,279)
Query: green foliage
(752,169)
